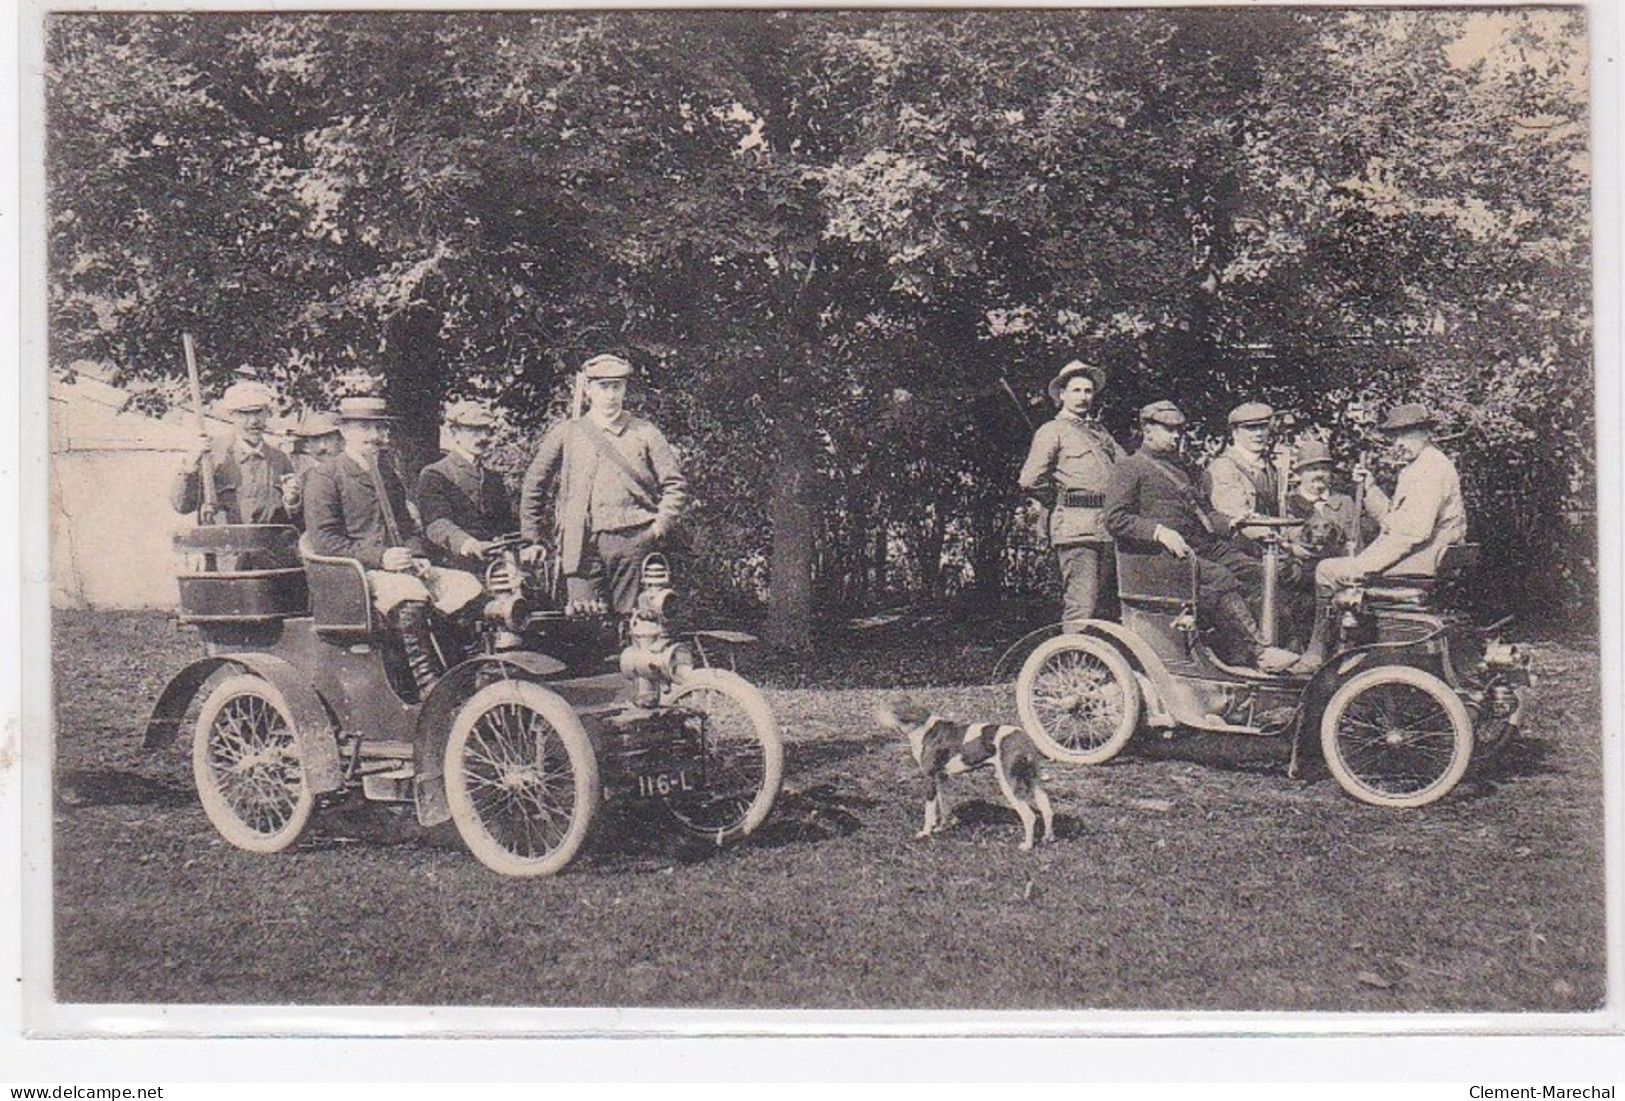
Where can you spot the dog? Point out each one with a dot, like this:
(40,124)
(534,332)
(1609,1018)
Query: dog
(944,748)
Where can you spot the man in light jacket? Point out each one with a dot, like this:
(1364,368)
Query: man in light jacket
(1068,469)
(1424,518)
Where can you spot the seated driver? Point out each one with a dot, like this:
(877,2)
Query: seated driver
(1425,517)
(356,507)
(1153,506)
(465,505)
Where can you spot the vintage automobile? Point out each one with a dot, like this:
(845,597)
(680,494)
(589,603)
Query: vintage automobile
(305,699)
(1412,693)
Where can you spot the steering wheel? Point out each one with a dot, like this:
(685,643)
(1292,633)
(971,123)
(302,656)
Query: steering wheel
(501,544)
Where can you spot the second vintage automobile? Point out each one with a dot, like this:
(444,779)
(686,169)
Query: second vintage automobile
(1414,692)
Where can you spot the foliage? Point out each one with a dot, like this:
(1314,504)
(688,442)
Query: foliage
(839,243)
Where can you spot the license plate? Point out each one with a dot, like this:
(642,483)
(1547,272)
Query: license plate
(655,785)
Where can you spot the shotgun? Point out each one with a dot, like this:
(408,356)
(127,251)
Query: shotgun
(1359,506)
(212,512)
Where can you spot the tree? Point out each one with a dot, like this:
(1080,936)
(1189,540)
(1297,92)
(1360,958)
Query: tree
(837,243)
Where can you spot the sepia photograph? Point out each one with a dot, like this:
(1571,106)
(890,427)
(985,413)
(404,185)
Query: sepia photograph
(1045,517)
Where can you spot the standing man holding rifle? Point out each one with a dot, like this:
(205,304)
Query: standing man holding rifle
(241,483)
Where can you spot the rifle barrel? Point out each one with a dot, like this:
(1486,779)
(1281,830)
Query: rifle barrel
(212,511)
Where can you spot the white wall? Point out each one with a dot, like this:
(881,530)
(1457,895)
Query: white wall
(111,522)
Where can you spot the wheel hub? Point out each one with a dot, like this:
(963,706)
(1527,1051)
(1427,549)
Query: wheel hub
(517,778)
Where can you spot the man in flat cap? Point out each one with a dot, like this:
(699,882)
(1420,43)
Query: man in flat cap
(1424,518)
(1067,470)
(357,507)
(315,438)
(248,470)
(1241,481)
(1153,507)
(465,506)
(620,491)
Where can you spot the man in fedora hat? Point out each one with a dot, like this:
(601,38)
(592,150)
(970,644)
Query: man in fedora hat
(1330,519)
(315,438)
(1241,481)
(465,506)
(620,491)
(1332,524)
(356,507)
(1153,506)
(248,470)
(1068,468)
(1425,516)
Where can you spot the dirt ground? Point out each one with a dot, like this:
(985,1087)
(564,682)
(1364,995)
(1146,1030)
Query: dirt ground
(1184,878)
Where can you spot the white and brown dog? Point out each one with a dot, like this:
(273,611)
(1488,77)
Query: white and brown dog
(943,748)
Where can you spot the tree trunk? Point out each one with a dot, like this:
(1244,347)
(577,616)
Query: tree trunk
(790,577)
(414,385)
(933,534)
(987,545)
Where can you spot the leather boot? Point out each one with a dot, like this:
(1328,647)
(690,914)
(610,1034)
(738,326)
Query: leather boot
(412,623)
(1314,655)
(1236,622)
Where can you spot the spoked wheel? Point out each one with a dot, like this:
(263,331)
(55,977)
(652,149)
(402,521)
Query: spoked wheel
(245,761)
(1396,736)
(1078,699)
(521,778)
(743,756)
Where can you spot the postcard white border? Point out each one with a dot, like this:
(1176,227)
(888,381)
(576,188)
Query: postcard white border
(453,1043)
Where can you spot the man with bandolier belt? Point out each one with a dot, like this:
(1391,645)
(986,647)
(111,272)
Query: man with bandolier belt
(1067,470)
(1153,506)
(620,491)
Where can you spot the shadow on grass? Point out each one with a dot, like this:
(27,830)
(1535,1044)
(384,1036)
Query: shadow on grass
(804,757)
(1235,752)
(1523,759)
(114,787)
(820,813)
(1000,822)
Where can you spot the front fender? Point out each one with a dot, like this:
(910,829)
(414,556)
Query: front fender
(1181,703)
(433,725)
(1427,654)
(313,730)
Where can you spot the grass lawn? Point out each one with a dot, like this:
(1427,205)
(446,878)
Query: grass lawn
(1184,878)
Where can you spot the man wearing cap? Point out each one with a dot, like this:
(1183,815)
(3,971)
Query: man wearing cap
(1241,482)
(1331,524)
(1067,470)
(1330,519)
(315,438)
(1153,506)
(620,491)
(1425,517)
(248,471)
(465,506)
(356,507)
